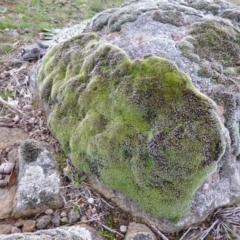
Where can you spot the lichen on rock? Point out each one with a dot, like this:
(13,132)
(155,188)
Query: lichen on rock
(139,126)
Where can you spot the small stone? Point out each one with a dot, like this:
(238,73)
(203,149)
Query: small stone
(15,230)
(43,221)
(5,228)
(63,214)
(49,212)
(3,183)
(31,121)
(56,219)
(139,231)
(19,223)
(73,217)
(123,228)
(83,219)
(64,220)
(26,30)
(6,168)
(90,200)
(39,113)
(28,226)
(27,108)
(11,32)
(16,119)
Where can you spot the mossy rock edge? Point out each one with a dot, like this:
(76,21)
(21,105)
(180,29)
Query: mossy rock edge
(140,126)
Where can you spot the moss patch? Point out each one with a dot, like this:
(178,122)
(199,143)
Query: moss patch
(140,126)
(216,40)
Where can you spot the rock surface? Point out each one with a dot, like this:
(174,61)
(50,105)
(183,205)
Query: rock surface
(28,226)
(81,232)
(8,138)
(163,146)
(43,221)
(5,228)
(38,187)
(137,231)
(11,136)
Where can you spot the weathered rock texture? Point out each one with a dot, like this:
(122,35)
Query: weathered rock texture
(138,231)
(38,185)
(81,232)
(161,144)
(9,137)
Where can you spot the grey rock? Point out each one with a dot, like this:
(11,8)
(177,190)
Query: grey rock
(80,232)
(5,228)
(43,221)
(73,217)
(38,186)
(15,230)
(11,32)
(56,219)
(137,231)
(49,212)
(3,183)
(33,51)
(6,168)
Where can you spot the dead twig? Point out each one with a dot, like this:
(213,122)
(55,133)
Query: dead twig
(159,233)
(11,107)
(107,203)
(64,200)
(111,230)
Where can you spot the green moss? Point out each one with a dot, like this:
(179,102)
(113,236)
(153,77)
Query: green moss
(216,40)
(140,126)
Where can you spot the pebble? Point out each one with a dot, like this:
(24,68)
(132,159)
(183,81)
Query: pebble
(43,221)
(27,108)
(56,219)
(16,119)
(31,121)
(10,32)
(15,230)
(29,226)
(63,214)
(5,228)
(90,200)
(123,228)
(73,217)
(84,219)
(3,183)
(64,220)
(6,168)
(49,212)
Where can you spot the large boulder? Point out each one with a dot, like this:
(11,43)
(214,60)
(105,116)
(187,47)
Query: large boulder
(149,104)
